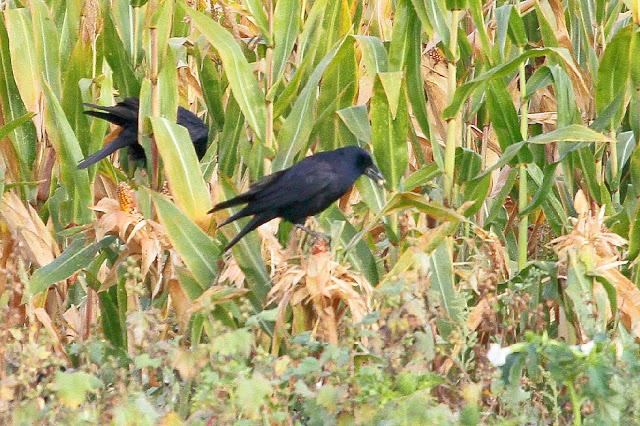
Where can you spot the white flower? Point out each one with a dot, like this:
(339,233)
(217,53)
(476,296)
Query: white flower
(585,348)
(497,355)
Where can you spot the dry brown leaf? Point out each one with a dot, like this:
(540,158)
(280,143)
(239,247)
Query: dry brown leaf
(74,322)
(365,89)
(187,363)
(144,237)
(91,21)
(628,299)
(188,81)
(28,230)
(580,203)
(232,273)
(44,318)
(434,74)
(37,248)
(180,302)
(473,321)
(590,239)
(214,295)
(171,419)
(496,252)
(321,284)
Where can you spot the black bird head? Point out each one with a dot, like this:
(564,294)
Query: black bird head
(365,165)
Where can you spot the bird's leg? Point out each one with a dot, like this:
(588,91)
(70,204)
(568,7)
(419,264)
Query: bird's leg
(314,234)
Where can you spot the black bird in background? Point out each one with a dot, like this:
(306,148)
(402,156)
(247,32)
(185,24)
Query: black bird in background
(302,190)
(125,115)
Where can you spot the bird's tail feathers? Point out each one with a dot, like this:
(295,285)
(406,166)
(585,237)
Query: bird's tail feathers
(255,189)
(240,199)
(256,221)
(120,142)
(242,213)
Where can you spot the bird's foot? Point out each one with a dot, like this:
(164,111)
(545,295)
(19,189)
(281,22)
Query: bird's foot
(314,234)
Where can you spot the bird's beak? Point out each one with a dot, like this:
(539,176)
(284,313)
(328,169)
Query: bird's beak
(374,174)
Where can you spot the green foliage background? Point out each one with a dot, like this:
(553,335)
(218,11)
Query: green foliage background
(499,126)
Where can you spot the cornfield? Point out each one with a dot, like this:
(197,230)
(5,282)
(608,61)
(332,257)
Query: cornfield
(494,280)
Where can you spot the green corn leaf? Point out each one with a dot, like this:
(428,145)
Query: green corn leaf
(260,17)
(161,20)
(476,192)
(119,60)
(233,128)
(247,253)
(360,256)
(356,120)
(22,137)
(588,167)
(401,36)
(76,256)
(433,14)
(634,236)
(13,125)
(463,92)
(543,191)
(45,41)
(241,79)
(415,82)
(197,249)
(69,154)
(441,273)
(182,170)
(168,83)
(112,328)
(296,129)
(580,294)
(210,78)
(614,73)
(421,176)
(570,133)
(26,68)
(337,90)
(504,119)
(497,202)
(78,68)
(336,23)
(374,54)
(286,25)
(389,135)
(405,200)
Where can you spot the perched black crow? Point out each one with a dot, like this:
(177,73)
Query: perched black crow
(303,190)
(125,115)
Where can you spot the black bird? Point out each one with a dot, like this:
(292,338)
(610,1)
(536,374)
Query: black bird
(302,190)
(125,115)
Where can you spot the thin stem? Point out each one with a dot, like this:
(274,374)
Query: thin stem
(155,106)
(523,196)
(523,226)
(575,404)
(452,126)
(613,154)
(133,23)
(269,58)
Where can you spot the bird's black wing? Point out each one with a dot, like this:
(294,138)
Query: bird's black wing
(303,181)
(198,131)
(295,185)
